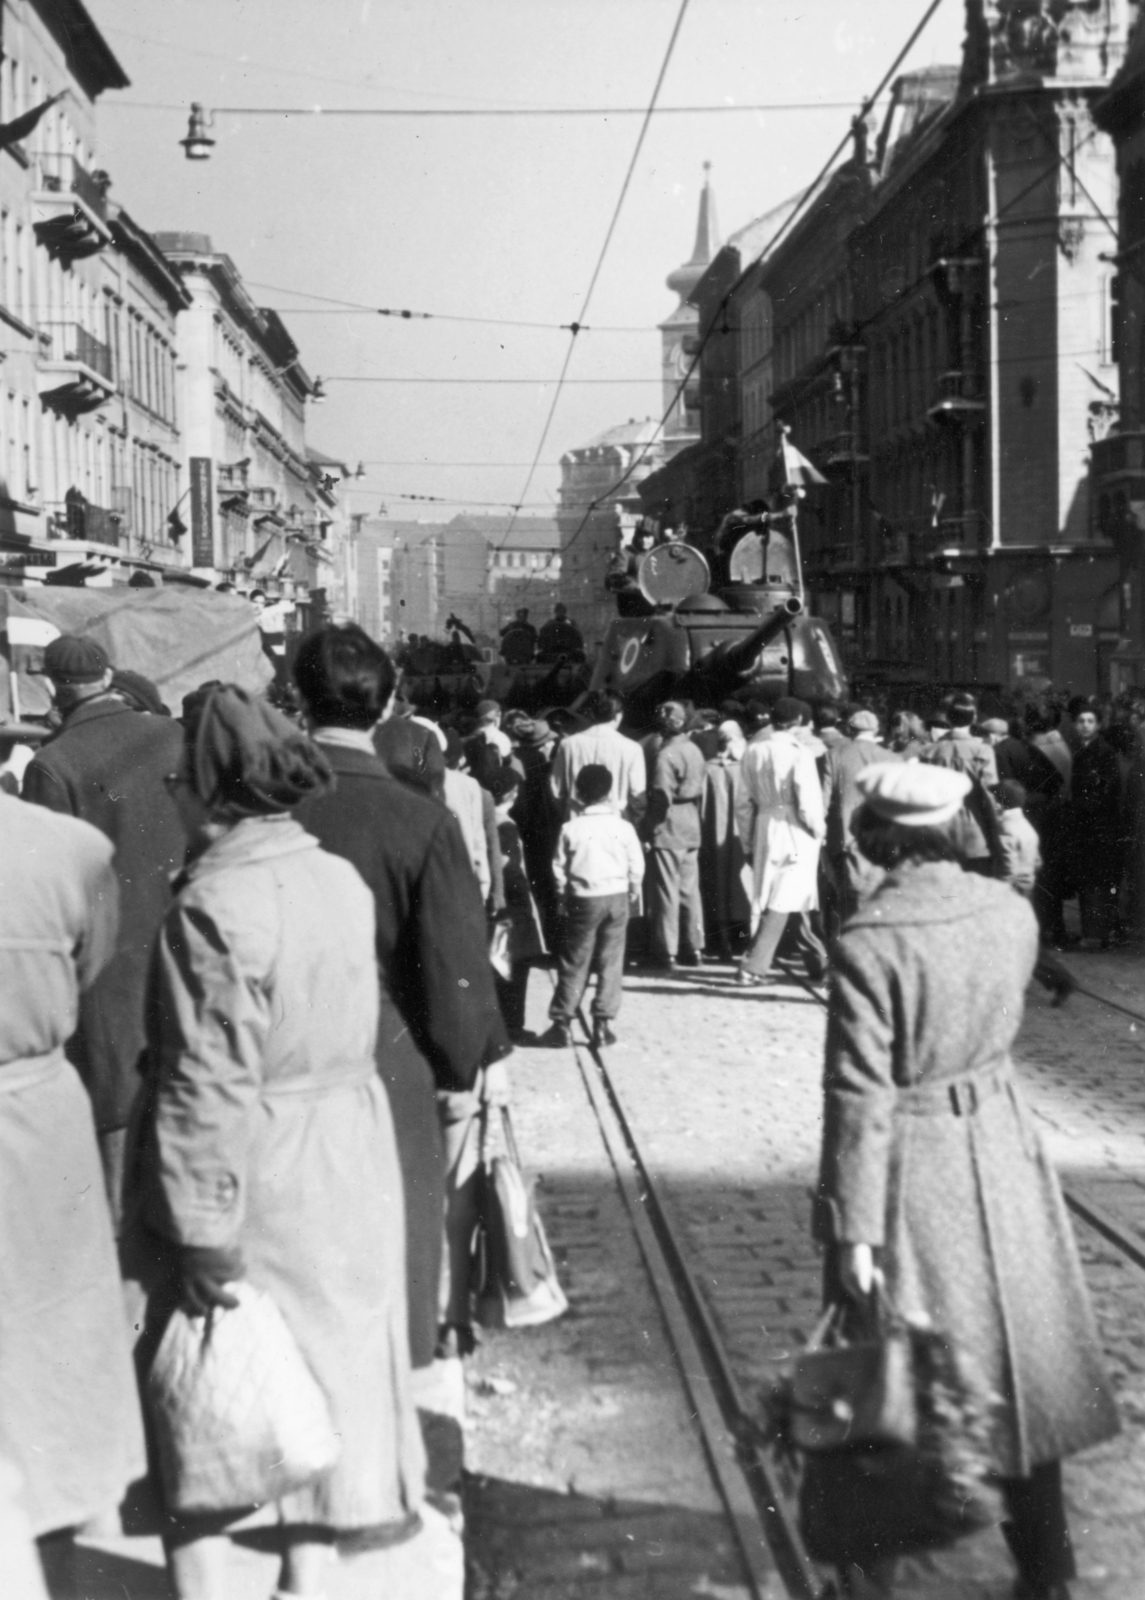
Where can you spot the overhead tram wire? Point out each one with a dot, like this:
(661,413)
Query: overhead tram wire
(784,227)
(450,112)
(576,326)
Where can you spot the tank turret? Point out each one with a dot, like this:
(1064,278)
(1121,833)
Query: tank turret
(751,637)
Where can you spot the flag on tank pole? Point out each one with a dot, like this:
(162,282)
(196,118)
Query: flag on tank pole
(792,469)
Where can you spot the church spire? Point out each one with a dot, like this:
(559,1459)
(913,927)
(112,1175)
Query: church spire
(685,278)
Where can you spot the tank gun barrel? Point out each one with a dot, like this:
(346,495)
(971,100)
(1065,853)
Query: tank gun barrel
(738,657)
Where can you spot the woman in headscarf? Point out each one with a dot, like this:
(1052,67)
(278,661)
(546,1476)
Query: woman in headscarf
(267,1152)
(725,874)
(932,1174)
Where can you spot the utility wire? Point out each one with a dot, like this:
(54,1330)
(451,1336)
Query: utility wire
(576,326)
(489,111)
(338,377)
(784,227)
(431,316)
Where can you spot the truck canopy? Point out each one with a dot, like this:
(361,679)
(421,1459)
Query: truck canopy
(179,637)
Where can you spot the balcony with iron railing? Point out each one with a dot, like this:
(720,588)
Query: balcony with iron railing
(958,399)
(74,368)
(63,174)
(69,216)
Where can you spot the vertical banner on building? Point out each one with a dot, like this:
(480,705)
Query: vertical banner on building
(202,513)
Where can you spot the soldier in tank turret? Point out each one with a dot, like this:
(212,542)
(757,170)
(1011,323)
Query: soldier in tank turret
(519,640)
(560,638)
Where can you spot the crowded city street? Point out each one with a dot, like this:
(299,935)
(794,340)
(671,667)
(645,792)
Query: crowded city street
(572,990)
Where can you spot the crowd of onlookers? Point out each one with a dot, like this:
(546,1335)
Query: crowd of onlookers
(1057,808)
(262,967)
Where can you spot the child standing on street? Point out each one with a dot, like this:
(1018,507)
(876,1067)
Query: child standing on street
(598,869)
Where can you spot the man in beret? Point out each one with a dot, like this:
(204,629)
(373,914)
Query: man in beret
(107,765)
(849,874)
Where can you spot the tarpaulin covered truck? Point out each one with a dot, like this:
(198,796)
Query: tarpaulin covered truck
(177,636)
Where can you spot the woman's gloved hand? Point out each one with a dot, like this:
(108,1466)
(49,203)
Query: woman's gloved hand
(205,1273)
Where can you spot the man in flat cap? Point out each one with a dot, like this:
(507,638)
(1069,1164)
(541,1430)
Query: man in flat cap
(780,820)
(672,825)
(849,874)
(107,765)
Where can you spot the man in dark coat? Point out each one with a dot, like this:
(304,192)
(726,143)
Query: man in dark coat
(1093,829)
(107,765)
(850,875)
(440,1020)
(963,751)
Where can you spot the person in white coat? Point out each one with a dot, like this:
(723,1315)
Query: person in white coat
(781,822)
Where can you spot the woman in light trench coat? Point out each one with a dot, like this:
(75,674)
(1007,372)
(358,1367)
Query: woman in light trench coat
(266,1148)
(932,1172)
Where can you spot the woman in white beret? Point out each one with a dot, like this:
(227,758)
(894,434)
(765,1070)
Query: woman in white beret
(932,1173)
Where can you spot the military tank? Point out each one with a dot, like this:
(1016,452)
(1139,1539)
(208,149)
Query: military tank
(679,637)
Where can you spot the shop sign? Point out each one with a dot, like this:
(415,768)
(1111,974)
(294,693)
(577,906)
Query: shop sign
(1081,630)
(202,513)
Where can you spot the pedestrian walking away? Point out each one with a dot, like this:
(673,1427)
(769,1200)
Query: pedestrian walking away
(106,765)
(933,1175)
(70,1424)
(598,868)
(440,1024)
(781,824)
(603,744)
(672,828)
(267,1147)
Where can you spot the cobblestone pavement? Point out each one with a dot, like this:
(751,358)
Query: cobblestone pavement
(588,1476)
(722,1088)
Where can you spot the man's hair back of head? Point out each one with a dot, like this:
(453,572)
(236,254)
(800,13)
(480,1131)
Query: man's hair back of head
(601,705)
(344,676)
(593,783)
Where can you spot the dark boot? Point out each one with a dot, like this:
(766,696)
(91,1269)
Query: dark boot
(602,1034)
(558,1036)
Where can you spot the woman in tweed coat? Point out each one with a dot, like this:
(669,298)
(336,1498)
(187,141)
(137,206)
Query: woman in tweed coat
(932,1172)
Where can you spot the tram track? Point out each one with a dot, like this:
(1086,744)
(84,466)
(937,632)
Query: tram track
(758,1494)
(757,1491)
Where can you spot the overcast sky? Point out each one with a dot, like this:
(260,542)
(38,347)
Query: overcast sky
(478,217)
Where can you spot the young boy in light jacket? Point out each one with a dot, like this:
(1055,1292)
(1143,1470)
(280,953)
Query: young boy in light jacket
(598,869)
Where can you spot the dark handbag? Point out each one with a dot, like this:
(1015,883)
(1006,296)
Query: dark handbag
(518,1284)
(860,1505)
(851,1391)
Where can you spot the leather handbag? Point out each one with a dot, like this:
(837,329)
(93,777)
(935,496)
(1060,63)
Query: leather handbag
(239,1417)
(518,1283)
(849,1391)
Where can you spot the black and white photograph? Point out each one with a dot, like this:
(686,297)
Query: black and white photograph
(572,800)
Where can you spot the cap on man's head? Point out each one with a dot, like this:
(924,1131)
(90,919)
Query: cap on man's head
(1011,794)
(913,794)
(863,721)
(74,658)
(672,714)
(487,708)
(996,725)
